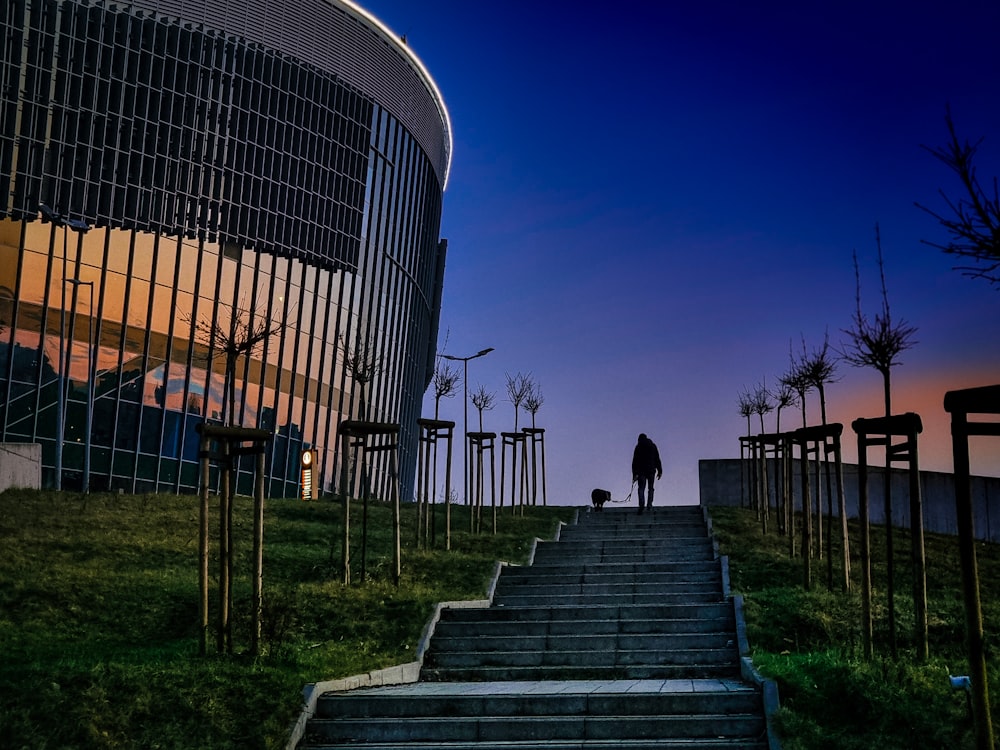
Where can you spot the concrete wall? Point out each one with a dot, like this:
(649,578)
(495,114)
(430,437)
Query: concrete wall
(20,466)
(720,481)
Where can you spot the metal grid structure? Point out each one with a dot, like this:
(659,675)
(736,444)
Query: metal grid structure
(229,161)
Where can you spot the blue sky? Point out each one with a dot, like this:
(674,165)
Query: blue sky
(650,202)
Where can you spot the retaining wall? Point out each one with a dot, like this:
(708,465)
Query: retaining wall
(720,483)
(20,466)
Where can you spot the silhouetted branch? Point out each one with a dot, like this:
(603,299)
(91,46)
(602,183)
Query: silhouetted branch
(239,336)
(745,406)
(364,364)
(533,401)
(483,400)
(445,381)
(819,368)
(877,344)
(761,403)
(784,396)
(973,220)
(797,379)
(518,388)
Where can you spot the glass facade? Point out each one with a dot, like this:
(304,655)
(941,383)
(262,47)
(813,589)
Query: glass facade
(227,188)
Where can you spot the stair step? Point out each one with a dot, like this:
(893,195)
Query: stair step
(586,568)
(641,612)
(736,698)
(515,728)
(445,658)
(700,628)
(739,743)
(623,554)
(581,672)
(619,588)
(567,577)
(675,546)
(572,600)
(581,641)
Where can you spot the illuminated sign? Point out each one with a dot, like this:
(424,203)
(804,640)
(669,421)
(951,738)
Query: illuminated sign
(307,474)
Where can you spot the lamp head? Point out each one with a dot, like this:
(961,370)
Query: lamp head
(77,225)
(48,214)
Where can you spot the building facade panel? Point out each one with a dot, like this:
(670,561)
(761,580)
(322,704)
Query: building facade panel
(174,178)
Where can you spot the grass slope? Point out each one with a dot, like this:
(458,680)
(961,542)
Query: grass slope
(98,615)
(809,642)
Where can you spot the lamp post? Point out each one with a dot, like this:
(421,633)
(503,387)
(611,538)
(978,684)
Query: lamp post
(77,283)
(465,413)
(81,227)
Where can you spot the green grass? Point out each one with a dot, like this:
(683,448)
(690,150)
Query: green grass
(98,624)
(810,643)
(99,620)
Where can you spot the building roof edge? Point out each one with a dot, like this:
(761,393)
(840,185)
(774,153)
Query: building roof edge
(397,41)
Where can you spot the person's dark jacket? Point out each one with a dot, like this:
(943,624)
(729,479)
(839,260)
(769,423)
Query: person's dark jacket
(646,459)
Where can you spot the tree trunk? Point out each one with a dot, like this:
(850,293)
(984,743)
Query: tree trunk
(203,550)
(258,557)
(890,567)
(345,494)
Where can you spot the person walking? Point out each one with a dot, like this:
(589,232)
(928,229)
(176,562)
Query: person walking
(646,467)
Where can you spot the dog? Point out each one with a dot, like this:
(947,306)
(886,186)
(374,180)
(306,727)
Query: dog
(599,497)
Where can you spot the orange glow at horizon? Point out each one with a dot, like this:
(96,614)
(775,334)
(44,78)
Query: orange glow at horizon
(921,392)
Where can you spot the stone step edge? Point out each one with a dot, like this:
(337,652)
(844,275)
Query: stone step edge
(503,644)
(729,670)
(645,744)
(502,703)
(711,743)
(437,729)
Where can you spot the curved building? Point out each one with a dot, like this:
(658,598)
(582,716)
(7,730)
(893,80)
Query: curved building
(205,193)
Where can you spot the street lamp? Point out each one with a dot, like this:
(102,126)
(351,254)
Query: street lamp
(465,415)
(81,227)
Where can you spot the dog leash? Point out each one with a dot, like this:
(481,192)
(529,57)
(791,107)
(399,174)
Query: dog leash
(631,490)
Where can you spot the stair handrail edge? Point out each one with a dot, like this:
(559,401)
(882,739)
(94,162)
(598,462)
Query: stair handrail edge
(749,672)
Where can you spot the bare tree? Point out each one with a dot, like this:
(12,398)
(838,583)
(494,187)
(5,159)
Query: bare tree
(973,219)
(445,381)
(236,331)
(533,402)
(519,387)
(761,402)
(877,344)
(761,405)
(784,396)
(796,379)
(364,364)
(483,400)
(744,403)
(819,367)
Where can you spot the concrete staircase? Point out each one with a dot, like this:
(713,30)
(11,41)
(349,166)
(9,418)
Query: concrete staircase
(619,635)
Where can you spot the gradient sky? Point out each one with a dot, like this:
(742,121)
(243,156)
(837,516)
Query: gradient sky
(651,201)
